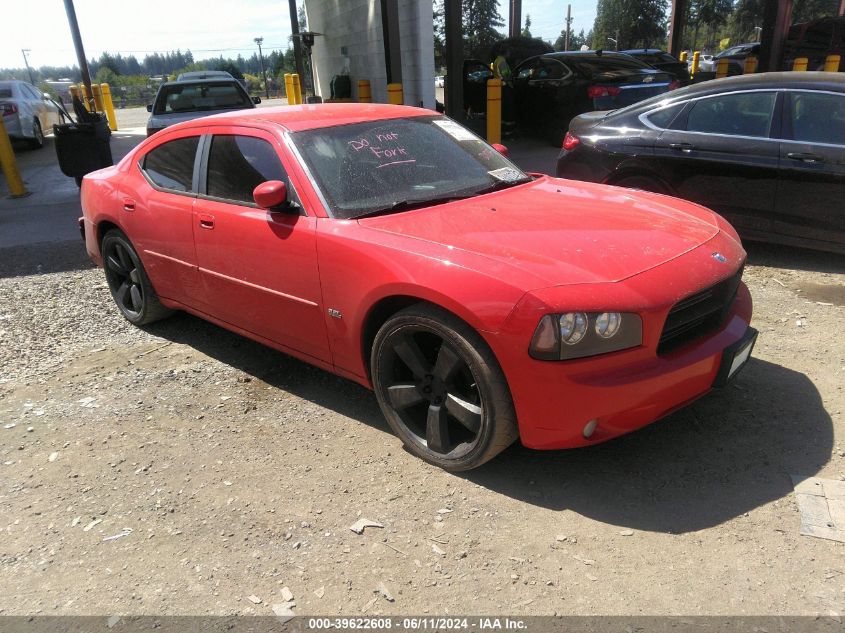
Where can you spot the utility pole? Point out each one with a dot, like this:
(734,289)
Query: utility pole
(80,52)
(568,26)
(258,41)
(26,63)
(617,39)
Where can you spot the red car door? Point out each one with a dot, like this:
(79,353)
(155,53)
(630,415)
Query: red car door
(258,268)
(157,212)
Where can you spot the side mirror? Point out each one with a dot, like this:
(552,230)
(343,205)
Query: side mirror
(500,148)
(149,107)
(256,100)
(271,195)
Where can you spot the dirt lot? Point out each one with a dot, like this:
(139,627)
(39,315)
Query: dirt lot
(239,471)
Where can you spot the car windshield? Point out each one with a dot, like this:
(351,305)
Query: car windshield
(207,95)
(396,164)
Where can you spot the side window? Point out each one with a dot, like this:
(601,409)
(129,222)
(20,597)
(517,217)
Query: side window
(663,118)
(818,117)
(238,164)
(742,114)
(171,165)
(551,69)
(529,69)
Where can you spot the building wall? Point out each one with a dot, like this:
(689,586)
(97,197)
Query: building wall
(353,41)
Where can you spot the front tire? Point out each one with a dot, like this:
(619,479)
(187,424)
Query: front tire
(128,282)
(441,389)
(37,140)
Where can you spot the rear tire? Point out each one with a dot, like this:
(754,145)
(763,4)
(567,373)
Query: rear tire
(128,282)
(441,389)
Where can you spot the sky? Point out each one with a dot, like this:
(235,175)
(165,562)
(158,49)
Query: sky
(207,27)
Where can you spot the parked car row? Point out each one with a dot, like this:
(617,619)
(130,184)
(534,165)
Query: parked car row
(767,151)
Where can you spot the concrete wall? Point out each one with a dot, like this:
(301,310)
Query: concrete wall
(355,26)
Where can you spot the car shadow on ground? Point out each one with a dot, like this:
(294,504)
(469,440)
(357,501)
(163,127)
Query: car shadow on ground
(727,454)
(43,258)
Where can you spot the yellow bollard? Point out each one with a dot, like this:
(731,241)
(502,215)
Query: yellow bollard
(74,92)
(683,57)
(800,64)
(750,65)
(86,97)
(105,89)
(831,64)
(494,110)
(364,94)
(696,56)
(10,165)
(297,89)
(722,68)
(394,94)
(289,89)
(98,97)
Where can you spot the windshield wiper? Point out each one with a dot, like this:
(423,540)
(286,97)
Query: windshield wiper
(502,184)
(407,205)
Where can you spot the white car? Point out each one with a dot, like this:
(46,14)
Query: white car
(706,64)
(27,114)
(439,80)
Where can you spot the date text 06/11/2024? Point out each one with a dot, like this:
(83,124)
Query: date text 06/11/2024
(385,623)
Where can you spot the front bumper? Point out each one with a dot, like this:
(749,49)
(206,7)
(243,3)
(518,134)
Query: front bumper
(622,391)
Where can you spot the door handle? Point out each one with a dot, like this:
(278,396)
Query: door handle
(206,221)
(686,148)
(128,204)
(805,158)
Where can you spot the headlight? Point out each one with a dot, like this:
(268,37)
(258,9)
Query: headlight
(580,334)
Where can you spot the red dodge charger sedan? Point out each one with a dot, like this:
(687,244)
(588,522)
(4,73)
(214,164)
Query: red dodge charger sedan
(393,247)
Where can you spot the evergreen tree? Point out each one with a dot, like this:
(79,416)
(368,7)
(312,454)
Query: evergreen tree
(640,23)
(526,32)
(480,20)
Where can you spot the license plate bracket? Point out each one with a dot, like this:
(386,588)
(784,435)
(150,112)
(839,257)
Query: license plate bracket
(735,357)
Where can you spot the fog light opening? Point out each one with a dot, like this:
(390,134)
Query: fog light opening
(590,428)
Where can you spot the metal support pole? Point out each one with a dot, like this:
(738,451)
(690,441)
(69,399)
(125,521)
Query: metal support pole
(455,60)
(80,52)
(676,26)
(297,44)
(26,63)
(777,18)
(392,48)
(568,26)
(515,18)
(494,111)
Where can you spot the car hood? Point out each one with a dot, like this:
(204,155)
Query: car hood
(558,231)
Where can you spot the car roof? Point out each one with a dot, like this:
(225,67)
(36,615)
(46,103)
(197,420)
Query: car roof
(642,51)
(207,80)
(308,117)
(760,81)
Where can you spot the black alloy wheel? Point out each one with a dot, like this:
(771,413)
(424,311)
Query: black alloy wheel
(441,389)
(130,287)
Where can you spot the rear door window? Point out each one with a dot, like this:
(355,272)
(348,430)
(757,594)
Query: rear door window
(740,114)
(171,165)
(663,118)
(818,117)
(238,164)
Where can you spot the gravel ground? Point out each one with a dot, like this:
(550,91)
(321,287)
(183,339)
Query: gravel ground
(233,471)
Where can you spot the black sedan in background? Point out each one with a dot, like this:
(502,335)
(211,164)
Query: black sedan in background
(550,89)
(661,60)
(767,151)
